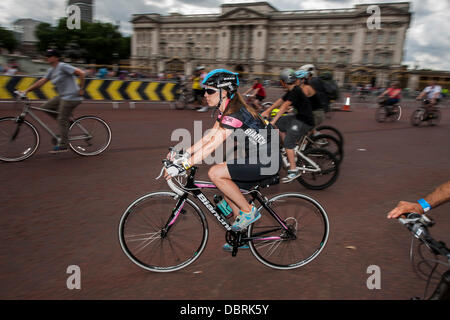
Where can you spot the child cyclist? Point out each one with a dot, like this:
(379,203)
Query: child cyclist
(235,117)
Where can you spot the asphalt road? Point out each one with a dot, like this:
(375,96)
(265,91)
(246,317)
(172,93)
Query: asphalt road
(63,210)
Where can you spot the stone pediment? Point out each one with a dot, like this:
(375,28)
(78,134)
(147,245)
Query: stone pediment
(243,13)
(143,19)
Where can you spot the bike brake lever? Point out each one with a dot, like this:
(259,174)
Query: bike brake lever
(161,173)
(166,163)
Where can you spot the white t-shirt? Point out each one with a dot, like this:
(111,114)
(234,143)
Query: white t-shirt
(432,90)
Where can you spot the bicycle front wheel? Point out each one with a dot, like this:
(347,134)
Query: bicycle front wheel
(417,117)
(329,143)
(145,241)
(397,112)
(381,114)
(435,118)
(89,136)
(19,139)
(307,234)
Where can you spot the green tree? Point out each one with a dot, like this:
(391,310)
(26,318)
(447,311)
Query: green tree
(96,42)
(7,40)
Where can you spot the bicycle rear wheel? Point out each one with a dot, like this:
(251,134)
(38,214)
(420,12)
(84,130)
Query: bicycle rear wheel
(143,239)
(89,136)
(329,143)
(307,235)
(19,139)
(329,169)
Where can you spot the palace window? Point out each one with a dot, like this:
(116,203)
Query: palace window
(337,38)
(365,58)
(392,37)
(350,38)
(334,57)
(380,37)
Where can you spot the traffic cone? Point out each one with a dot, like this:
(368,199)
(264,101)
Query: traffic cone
(346,106)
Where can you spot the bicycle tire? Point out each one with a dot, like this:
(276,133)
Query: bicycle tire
(19,148)
(329,169)
(155,221)
(329,143)
(298,212)
(436,118)
(181,102)
(380,114)
(417,117)
(89,136)
(335,132)
(397,109)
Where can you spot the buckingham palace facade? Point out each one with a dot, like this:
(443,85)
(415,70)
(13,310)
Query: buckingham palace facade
(257,38)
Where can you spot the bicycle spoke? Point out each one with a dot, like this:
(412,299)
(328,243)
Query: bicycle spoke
(307,235)
(146,242)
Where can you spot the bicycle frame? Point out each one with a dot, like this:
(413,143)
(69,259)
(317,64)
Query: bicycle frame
(26,110)
(195,188)
(298,150)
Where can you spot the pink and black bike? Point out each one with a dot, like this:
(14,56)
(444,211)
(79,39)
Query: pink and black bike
(166,231)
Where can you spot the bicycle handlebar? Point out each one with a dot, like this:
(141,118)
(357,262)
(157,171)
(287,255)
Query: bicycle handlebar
(418,224)
(20,95)
(166,165)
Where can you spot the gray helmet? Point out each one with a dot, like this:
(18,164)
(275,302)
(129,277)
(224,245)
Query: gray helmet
(288,76)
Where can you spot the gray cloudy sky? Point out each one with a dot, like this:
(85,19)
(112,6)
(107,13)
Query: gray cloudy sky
(427,42)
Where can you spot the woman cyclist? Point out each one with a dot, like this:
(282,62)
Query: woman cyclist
(394,95)
(235,117)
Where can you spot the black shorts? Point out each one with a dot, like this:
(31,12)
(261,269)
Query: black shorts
(294,128)
(247,175)
(260,98)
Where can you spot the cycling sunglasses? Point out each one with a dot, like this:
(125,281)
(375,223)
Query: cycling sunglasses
(211,91)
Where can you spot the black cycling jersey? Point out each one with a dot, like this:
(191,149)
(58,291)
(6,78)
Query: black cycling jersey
(314,101)
(260,159)
(256,133)
(301,104)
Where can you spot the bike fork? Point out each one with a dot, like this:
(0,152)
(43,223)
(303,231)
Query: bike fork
(19,122)
(174,216)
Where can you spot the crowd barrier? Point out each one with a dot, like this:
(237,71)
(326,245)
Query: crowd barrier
(95,89)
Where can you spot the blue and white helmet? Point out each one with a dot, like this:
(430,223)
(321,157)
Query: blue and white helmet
(222,79)
(301,74)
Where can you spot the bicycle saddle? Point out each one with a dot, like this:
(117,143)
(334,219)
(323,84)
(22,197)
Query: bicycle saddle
(272,180)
